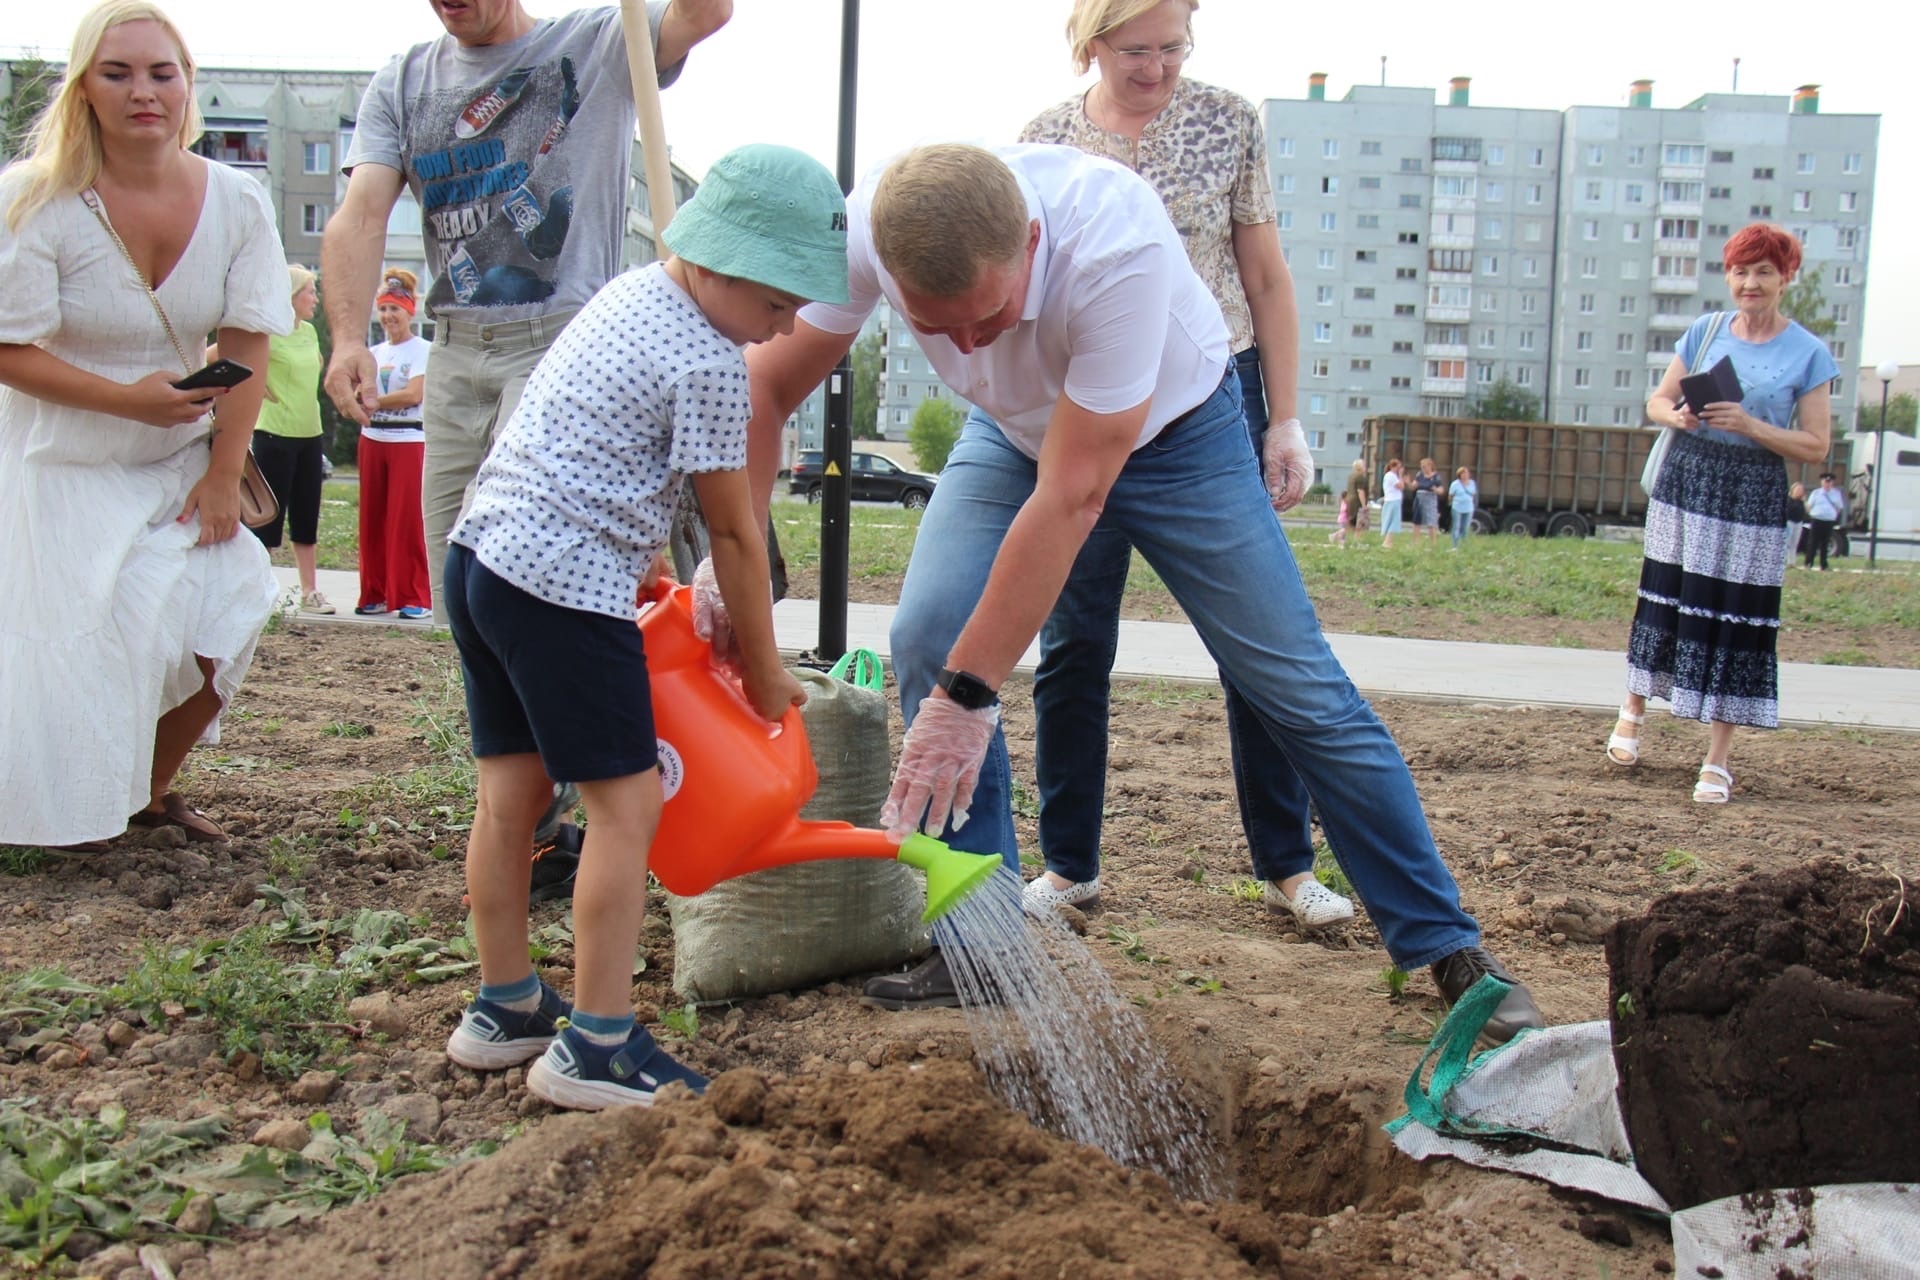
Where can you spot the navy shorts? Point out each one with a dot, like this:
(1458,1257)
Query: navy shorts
(567,684)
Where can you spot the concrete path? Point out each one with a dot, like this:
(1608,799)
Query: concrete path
(1444,670)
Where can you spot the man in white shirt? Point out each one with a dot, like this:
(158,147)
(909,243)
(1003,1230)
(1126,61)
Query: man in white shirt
(1050,288)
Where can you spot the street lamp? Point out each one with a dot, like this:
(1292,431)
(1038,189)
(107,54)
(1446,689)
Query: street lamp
(1888,371)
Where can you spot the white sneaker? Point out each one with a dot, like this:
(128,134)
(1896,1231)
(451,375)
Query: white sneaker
(1313,904)
(1041,899)
(316,603)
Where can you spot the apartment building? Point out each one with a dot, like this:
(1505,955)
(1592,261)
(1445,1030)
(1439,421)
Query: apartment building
(1439,249)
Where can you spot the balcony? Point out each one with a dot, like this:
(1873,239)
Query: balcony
(1452,204)
(1443,386)
(1663,322)
(1676,284)
(1680,208)
(1659,359)
(1465,168)
(1683,173)
(1444,350)
(1676,248)
(1444,314)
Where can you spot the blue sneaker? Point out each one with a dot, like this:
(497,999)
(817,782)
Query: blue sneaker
(574,1072)
(491,1037)
(414,612)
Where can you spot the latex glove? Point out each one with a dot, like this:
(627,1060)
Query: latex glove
(710,621)
(939,766)
(1287,464)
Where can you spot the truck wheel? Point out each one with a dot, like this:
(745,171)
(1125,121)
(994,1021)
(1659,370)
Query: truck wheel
(1483,522)
(1520,523)
(1568,524)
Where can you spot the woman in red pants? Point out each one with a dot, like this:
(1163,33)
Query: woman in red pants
(393,541)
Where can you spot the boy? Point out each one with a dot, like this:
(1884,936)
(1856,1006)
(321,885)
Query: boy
(647,384)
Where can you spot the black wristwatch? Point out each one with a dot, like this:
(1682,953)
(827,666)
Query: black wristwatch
(969,690)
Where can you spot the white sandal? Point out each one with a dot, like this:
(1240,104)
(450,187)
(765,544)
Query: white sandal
(1628,747)
(1715,790)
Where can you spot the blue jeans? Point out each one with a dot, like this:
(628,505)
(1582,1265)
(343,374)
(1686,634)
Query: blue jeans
(1462,518)
(1192,502)
(1071,697)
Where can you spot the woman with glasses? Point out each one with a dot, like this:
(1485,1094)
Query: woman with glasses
(1203,150)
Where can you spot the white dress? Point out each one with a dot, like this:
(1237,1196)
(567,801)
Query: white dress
(104,598)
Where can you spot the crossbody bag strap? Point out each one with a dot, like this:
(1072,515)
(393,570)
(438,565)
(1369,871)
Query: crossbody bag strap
(91,199)
(1706,340)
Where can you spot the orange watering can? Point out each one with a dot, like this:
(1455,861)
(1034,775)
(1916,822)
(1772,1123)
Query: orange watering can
(735,783)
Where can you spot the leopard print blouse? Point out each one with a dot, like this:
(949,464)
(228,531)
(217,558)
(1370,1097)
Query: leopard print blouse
(1206,155)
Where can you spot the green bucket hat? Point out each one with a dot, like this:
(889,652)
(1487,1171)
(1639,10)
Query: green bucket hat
(768,214)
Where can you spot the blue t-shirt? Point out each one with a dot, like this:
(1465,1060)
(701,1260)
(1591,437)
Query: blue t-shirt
(1774,374)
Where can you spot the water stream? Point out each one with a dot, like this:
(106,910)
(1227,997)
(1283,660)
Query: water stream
(1058,1041)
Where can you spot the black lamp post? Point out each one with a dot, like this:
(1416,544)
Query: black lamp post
(1888,371)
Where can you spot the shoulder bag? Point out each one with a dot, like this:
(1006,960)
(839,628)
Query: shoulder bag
(258,506)
(1658,454)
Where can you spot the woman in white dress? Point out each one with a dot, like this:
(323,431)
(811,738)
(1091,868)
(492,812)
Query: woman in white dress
(131,608)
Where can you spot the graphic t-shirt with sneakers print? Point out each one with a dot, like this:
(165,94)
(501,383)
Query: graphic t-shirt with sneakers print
(518,155)
(579,492)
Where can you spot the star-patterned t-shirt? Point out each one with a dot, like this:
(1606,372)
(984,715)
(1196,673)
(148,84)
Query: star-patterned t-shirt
(579,492)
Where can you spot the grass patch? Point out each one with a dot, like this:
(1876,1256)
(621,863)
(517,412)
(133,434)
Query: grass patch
(22,859)
(346,729)
(1166,693)
(879,539)
(1326,869)
(1678,862)
(1847,658)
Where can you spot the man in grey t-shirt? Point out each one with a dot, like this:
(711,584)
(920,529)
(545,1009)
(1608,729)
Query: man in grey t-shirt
(514,135)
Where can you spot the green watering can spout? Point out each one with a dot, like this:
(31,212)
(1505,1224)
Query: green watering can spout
(951,874)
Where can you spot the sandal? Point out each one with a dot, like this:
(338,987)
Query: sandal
(176,812)
(1714,790)
(1625,752)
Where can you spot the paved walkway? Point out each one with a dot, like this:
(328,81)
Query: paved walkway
(1444,670)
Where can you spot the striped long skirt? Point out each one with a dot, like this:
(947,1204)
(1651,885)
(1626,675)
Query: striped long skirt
(1709,609)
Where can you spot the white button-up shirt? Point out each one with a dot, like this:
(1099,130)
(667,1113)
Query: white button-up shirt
(1114,314)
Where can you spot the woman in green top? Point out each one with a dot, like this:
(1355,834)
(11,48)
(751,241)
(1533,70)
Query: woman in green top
(286,442)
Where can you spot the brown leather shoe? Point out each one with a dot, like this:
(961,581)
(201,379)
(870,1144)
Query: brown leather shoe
(1456,973)
(928,985)
(176,812)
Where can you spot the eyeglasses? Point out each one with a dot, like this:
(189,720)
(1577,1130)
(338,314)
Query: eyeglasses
(1168,55)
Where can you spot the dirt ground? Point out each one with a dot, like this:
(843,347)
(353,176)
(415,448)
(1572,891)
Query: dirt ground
(848,1142)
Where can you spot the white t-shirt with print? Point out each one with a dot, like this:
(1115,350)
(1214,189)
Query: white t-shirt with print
(398,364)
(578,494)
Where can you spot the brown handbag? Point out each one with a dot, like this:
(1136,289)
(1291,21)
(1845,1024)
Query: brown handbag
(258,507)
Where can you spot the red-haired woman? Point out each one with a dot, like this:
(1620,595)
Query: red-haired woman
(1709,610)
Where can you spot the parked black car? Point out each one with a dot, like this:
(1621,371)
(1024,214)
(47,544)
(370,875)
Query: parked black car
(876,478)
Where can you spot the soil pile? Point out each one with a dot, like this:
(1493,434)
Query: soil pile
(1767,1033)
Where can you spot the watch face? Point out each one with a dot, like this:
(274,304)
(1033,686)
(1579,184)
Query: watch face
(970,691)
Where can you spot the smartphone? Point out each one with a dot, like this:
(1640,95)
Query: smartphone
(221,373)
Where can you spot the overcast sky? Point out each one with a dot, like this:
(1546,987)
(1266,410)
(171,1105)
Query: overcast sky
(979,69)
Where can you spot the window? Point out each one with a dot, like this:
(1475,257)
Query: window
(1842,312)
(1760,211)
(1329,186)
(1489,301)
(1805,163)
(1450,259)
(1453,185)
(1579,410)
(1623,379)
(1490,265)
(1532,233)
(1593,191)
(1409,237)
(1586,304)
(1366,221)
(1366,255)
(1596,154)
(1456,148)
(1357,402)
(1526,339)
(1317,440)
(1409,201)
(1849,202)
(1847,237)
(1622,416)
(1536,157)
(1363,293)
(1676,268)
(1528,302)
(316,157)
(1636,156)
(1680,192)
(1718,229)
(1330,149)
(1683,153)
(1629,304)
(1496,154)
(1369,148)
(1403,308)
(1523,376)
(1403,348)
(1316,403)
(899,391)
(1449,295)
(1590,229)
(1320,366)
(1763,175)
(1679,228)
(1623,344)
(1359,364)
(1283,185)
(1400,384)
(1410,165)
(1446,368)
(1283,148)
(1839,350)
(1324,259)
(1284,221)
(1630,232)
(1496,191)
(1629,270)
(1322,331)
(1583,377)
(1329,222)
(1850,162)
(1369,184)
(1635,193)
(1589,268)
(1529,267)
(1362,331)
(1483,372)
(1406,273)
(1843,275)
(1583,340)
(1489,337)
(1493,229)
(1323,295)
(1803,202)
(1719,193)
(313,218)
(1446,335)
